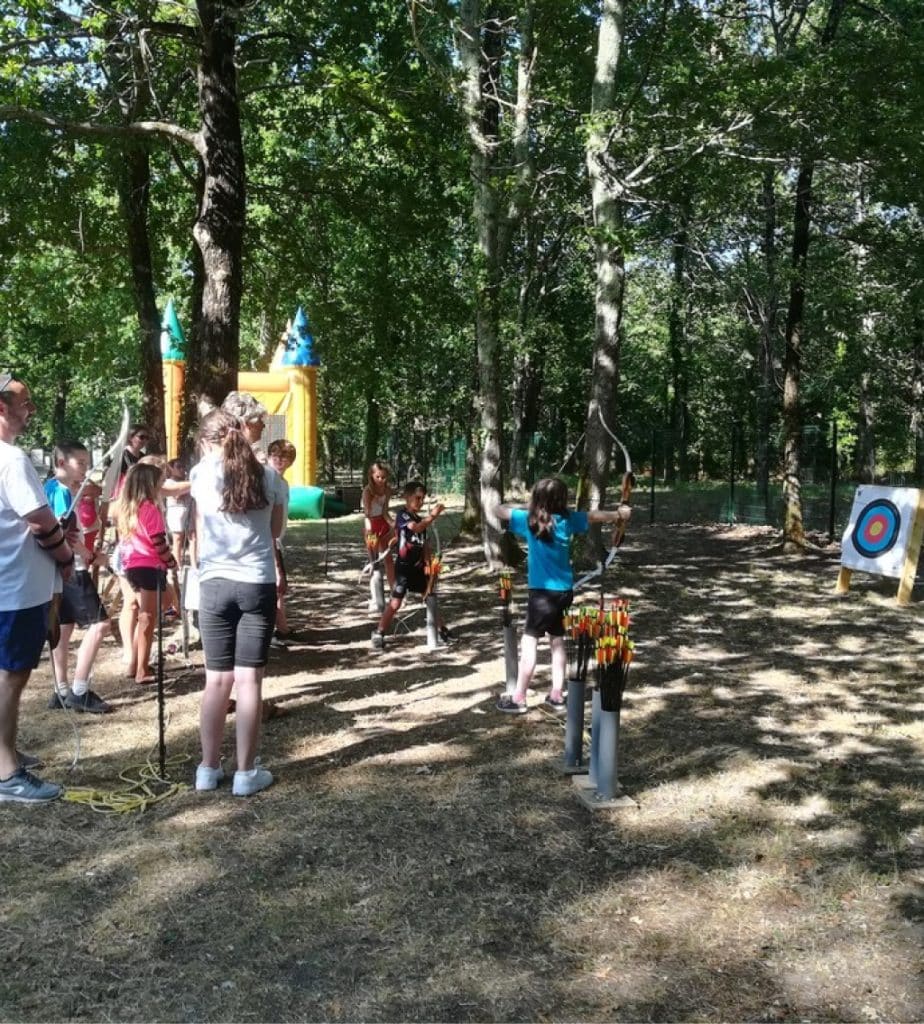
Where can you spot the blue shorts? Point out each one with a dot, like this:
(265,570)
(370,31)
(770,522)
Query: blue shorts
(22,637)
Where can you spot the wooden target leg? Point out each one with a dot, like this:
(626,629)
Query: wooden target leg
(910,568)
(843,580)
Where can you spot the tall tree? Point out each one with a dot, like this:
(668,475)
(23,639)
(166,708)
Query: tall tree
(609,258)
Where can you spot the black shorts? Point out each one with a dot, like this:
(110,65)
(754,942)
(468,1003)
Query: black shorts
(545,612)
(146,578)
(80,603)
(408,578)
(236,622)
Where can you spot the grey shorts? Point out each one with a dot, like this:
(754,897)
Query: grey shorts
(236,623)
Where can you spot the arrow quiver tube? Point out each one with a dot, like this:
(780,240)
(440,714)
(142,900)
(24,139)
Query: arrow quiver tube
(613,654)
(505,594)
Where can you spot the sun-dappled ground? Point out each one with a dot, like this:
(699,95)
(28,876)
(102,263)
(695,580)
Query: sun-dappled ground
(422,857)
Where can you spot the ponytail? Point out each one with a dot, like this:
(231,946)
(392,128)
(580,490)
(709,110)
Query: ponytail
(244,479)
(548,499)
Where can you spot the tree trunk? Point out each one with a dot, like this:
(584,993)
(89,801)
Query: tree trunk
(134,187)
(917,402)
(865,459)
(479,51)
(527,388)
(793,526)
(372,431)
(219,228)
(677,345)
(59,410)
(610,267)
(865,455)
(766,342)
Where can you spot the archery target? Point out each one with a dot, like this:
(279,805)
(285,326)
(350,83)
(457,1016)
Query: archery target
(876,539)
(877,528)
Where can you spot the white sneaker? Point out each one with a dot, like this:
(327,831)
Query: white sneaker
(250,782)
(208,778)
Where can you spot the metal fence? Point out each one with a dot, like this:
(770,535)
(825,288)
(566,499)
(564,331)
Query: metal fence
(722,490)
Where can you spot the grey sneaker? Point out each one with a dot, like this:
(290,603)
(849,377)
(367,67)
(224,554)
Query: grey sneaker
(246,783)
(56,701)
(378,640)
(208,778)
(25,788)
(279,641)
(89,702)
(29,761)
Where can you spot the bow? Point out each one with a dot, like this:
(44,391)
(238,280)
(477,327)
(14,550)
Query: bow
(619,530)
(434,564)
(114,468)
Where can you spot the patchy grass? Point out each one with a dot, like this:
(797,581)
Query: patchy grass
(423,858)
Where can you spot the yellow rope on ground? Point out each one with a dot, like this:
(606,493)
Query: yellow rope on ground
(145,788)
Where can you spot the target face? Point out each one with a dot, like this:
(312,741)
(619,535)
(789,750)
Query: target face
(877,537)
(877,528)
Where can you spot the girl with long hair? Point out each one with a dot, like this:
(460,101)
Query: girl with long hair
(547,526)
(238,516)
(145,559)
(377,522)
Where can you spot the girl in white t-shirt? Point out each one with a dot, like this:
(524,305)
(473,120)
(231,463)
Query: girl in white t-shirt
(238,516)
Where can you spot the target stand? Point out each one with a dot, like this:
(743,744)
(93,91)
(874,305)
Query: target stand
(884,537)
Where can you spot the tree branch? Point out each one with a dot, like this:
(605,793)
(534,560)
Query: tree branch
(138,129)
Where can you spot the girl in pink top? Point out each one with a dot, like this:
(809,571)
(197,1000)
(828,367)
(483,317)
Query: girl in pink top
(146,557)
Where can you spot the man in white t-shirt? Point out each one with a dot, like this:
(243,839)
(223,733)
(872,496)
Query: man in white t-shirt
(33,547)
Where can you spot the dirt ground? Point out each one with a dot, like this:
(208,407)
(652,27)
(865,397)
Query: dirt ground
(422,857)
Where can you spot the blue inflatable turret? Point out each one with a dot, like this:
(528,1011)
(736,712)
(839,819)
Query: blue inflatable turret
(299,345)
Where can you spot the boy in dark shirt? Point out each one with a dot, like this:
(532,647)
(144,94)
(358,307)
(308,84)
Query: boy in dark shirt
(412,554)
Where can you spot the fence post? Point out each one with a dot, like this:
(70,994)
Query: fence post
(731,494)
(654,442)
(832,508)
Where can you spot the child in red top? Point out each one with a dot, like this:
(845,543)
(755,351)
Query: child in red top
(146,557)
(377,523)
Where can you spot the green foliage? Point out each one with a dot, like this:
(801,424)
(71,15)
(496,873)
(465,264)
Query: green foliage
(359,200)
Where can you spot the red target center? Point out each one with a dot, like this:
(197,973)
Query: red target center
(875,528)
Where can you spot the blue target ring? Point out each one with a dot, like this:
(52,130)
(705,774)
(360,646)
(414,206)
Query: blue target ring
(877,528)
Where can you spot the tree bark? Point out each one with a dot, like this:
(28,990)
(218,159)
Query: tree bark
(527,388)
(481,44)
(372,431)
(917,401)
(610,266)
(219,228)
(793,525)
(766,342)
(677,346)
(479,51)
(134,188)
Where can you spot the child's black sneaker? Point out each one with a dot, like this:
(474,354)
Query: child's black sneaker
(556,704)
(447,637)
(89,702)
(511,707)
(57,701)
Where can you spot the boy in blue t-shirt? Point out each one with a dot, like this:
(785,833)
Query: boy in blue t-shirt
(547,527)
(80,600)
